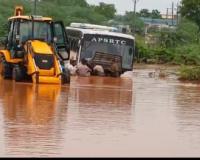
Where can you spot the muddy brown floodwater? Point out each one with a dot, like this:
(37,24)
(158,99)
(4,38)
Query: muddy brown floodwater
(144,116)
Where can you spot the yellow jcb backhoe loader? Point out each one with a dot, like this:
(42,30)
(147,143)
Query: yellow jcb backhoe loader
(35,48)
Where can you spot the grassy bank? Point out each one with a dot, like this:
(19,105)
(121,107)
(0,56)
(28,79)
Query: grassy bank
(172,46)
(186,58)
(183,73)
(191,73)
(181,54)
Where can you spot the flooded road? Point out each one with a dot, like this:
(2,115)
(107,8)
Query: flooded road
(101,117)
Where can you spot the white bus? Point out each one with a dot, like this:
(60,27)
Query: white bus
(102,45)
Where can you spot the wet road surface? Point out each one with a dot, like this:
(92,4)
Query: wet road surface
(101,117)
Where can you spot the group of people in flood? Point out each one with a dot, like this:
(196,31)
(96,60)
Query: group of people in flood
(86,69)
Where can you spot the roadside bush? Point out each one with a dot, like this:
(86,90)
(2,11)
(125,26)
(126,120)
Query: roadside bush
(187,55)
(187,32)
(189,73)
(175,45)
(148,54)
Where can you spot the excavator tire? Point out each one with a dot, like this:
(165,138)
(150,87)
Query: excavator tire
(18,74)
(6,68)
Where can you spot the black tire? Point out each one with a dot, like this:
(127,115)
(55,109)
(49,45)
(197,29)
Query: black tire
(18,74)
(6,71)
(66,78)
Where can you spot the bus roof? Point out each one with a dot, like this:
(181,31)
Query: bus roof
(92,26)
(101,32)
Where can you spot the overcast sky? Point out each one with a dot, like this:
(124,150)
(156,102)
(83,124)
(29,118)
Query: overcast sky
(128,5)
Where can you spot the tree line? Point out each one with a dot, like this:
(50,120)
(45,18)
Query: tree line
(75,11)
(65,10)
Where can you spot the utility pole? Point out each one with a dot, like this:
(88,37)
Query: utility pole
(134,29)
(172,13)
(167,16)
(135,4)
(35,6)
(177,13)
(167,13)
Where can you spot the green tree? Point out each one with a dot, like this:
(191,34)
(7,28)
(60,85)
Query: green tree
(65,10)
(144,13)
(191,10)
(81,3)
(187,32)
(108,10)
(155,14)
(133,21)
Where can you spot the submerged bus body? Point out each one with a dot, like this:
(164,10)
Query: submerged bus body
(102,47)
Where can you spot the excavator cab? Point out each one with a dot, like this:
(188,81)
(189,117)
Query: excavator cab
(36,48)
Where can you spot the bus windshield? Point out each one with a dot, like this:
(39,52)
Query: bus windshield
(118,46)
(42,31)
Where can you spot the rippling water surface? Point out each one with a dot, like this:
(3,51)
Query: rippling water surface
(101,117)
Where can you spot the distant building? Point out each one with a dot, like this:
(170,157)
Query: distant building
(165,16)
(159,22)
(123,28)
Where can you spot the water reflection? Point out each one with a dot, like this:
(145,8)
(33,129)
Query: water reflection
(31,104)
(100,116)
(45,120)
(32,118)
(188,97)
(188,114)
(104,90)
(187,107)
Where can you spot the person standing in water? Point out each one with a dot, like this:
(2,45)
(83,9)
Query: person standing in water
(98,70)
(83,70)
(72,67)
(115,69)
